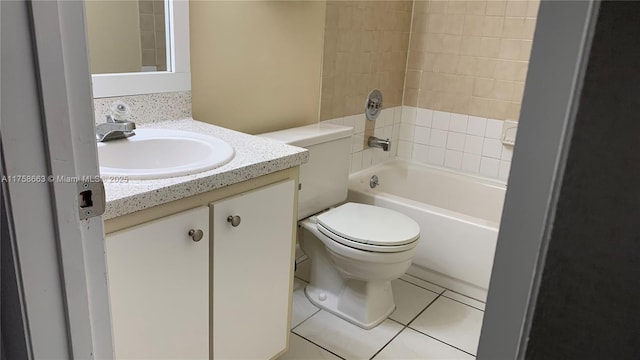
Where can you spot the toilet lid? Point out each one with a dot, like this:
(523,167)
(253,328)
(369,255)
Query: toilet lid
(369,224)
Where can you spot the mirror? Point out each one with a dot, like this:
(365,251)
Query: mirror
(126,35)
(138,46)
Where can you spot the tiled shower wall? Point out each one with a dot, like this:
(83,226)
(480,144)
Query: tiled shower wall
(386,126)
(465,69)
(365,47)
(471,144)
(470,57)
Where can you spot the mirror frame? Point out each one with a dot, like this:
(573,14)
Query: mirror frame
(179,79)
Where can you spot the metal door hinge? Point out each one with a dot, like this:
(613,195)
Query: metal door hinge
(91,199)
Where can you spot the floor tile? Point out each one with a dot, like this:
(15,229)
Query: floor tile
(424,284)
(410,300)
(303,270)
(451,322)
(302,307)
(411,344)
(345,339)
(300,348)
(464,299)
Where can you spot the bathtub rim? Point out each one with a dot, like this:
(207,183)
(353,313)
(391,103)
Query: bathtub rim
(356,186)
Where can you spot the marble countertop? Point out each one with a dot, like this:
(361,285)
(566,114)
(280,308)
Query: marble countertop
(255,156)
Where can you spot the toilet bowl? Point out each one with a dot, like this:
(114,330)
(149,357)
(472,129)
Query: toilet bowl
(356,250)
(351,273)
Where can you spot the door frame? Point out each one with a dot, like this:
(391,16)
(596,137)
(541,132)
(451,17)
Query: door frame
(563,36)
(48,132)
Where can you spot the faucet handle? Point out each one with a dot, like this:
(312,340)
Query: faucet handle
(120,111)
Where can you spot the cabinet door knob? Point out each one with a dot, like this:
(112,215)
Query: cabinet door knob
(196,234)
(234,220)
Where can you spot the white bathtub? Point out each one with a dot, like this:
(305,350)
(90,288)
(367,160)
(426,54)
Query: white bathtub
(458,214)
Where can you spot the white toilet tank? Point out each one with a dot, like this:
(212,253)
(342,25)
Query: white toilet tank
(324,179)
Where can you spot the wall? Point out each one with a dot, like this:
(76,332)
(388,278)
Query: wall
(256,65)
(365,47)
(470,57)
(113,34)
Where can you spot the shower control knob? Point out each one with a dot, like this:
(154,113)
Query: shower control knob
(196,234)
(234,220)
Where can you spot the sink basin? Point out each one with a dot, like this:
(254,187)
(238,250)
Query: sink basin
(162,153)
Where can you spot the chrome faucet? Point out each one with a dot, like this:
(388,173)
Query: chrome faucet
(114,129)
(379,143)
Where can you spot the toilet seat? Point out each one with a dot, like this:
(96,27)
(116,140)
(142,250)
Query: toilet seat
(369,228)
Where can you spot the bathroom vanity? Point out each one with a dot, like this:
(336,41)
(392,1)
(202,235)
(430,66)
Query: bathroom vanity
(201,266)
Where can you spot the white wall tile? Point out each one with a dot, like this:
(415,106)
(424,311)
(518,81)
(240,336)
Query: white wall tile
(420,153)
(396,132)
(494,129)
(382,119)
(438,138)
(453,159)
(455,141)
(367,158)
(397,115)
(356,161)
(379,156)
(358,122)
(357,142)
(436,155)
(406,132)
(424,117)
(507,152)
(409,114)
(503,172)
(471,162)
(473,144)
(441,120)
(387,132)
(405,149)
(476,126)
(458,123)
(421,135)
(489,166)
(349,121)
(492,148)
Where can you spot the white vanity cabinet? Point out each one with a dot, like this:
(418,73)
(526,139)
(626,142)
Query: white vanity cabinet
(159,287)
(252,258)
(227,295)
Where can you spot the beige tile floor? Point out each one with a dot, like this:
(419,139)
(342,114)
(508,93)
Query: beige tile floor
(429,322)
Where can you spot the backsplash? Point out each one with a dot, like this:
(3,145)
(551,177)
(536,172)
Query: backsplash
(148,108)
(468,143)
(387,126)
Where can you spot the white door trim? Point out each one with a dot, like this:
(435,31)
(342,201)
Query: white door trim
(47,131)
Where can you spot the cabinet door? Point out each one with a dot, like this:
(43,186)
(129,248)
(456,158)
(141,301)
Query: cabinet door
(252,272)
(159,288)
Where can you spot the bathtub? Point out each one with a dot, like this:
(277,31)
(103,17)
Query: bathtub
(458,214)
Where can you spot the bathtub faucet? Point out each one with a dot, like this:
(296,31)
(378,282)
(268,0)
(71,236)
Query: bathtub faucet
(379,143)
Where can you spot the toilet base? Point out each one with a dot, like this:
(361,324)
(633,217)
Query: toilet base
(362,303)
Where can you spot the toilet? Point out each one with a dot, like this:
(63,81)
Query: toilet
(356,250)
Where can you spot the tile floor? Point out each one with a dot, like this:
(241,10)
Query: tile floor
(429,322)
